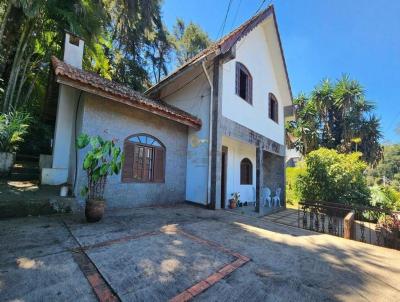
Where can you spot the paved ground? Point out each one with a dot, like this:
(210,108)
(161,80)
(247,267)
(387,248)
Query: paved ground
(24,198)
(158,254)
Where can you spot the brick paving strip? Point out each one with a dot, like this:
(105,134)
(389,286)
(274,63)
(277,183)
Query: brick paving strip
(100,287)
(104,291)
(206,283)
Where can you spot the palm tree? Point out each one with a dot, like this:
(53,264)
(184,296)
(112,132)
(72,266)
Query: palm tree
(334,116)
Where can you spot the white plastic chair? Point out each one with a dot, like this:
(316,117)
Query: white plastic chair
(266,196)
(277,198)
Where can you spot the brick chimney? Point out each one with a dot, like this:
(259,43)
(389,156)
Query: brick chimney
(73,50)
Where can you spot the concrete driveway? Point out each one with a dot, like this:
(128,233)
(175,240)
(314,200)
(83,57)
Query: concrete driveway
(183,252)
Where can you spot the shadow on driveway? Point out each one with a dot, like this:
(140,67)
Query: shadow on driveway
(143,254)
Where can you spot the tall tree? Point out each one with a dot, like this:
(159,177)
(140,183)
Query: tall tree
(125,41)
(159,53)
(337,116)
(139,40)
(189,40)
(32,31)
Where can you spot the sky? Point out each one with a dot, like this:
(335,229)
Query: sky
(321,39)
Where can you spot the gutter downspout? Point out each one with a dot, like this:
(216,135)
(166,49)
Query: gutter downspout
(210,132)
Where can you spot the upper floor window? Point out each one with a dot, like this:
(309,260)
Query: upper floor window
(144,159)
(246,172)
(244,83)
(273,108)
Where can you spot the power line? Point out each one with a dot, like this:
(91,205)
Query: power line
(261,5)
(236,13)
(198,75)
(221,32)
(258,9)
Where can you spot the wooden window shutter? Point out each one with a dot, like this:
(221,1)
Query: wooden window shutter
(237,78)
(127,169)
(246,172)
(242,174)
(249,89)
(159,165)
(271,108)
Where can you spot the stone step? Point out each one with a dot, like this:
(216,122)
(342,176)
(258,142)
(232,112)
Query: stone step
(29,170)
(22,176)
(27,158)
(25,171)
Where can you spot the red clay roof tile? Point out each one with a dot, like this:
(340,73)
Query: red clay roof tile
(95,84)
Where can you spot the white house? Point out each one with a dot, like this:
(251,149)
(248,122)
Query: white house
(212,127)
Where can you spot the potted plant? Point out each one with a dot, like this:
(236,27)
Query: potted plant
(234,201)
(102,160)
(13,128)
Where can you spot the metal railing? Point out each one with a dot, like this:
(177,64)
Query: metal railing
(363,223)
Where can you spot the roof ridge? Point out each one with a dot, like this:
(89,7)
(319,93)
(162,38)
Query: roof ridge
(218,44)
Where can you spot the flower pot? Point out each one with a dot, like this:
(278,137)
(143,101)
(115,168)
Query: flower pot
(232,203)
(94,210)
(7,160)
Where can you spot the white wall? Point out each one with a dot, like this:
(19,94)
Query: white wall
(236,152)
(63,147)
(254,51)
(195,99)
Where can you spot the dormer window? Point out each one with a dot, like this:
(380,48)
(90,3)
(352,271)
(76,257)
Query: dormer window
(244,83)
(273,108)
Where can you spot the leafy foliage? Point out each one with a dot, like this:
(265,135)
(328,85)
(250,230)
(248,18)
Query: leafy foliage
(13,128)
(292,173)
(385,197)
(104,159)
(333,177)
(189,40)
(388,169)
(31,32)
(336,116)
(125,41)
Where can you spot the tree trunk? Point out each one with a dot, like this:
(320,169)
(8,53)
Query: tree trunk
(11,34)
(23,79)
(12,81)
(3,24)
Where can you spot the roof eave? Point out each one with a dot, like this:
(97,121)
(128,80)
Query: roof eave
(178,74)
(65,80)
(282,53)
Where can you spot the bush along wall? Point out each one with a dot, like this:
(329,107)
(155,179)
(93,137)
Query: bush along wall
(333,177)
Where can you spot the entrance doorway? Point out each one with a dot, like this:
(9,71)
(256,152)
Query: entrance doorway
(224,159)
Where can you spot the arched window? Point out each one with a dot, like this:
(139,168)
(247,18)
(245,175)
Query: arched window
(144,159)
(272,107)
(246,172)
(244,83)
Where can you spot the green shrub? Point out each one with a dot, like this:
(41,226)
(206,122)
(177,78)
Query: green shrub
(333,177)
(292,196)
(13,128)
(385,197)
